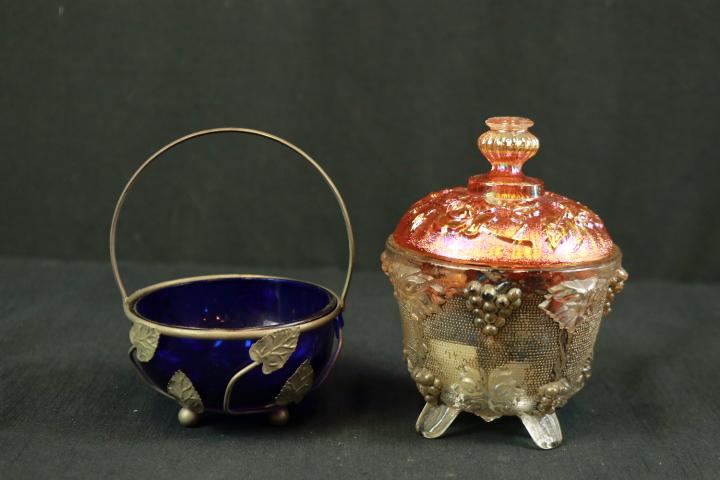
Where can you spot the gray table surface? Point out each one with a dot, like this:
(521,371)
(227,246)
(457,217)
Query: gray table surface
(72,407)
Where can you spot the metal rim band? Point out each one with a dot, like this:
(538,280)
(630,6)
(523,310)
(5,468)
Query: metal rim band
(248,131)
(220,333)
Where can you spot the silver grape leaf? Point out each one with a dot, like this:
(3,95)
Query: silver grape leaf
(567,301)
(184,392)
(273,350)
(297,386)
(145,340)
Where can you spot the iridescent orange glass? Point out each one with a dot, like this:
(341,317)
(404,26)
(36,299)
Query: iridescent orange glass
(504,218)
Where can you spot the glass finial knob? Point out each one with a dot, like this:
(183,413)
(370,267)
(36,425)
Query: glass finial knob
(508,144)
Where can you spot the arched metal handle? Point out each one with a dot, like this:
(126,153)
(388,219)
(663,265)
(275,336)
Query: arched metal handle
(169,146)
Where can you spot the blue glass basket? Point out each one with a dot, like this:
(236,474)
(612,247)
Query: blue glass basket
(234,343)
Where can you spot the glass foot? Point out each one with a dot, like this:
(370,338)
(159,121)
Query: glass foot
(435,419)
(544,430)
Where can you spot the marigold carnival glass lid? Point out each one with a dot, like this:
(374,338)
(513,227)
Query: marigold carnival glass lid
(503,218)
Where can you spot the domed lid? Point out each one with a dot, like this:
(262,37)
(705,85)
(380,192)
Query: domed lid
(503,218)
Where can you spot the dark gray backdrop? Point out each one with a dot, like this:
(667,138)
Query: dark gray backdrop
(388,96)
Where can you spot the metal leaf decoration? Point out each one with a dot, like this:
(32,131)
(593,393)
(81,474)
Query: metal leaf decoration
(273,350)
(297,386)
(145,340)
(184,392)
(567,301)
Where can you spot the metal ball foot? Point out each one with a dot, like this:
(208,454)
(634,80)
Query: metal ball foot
(279,417)
(188,418)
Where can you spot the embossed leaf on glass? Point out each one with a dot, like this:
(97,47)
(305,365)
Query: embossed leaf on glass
(417,289)
(470,393)
(416,354)
(184,392)
(566,228)
(297,386)
(272,351)
(490,396)
(567,301)
(504,391)
(145,340)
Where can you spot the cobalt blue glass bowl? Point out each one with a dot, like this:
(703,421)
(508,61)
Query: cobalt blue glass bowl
(234,343)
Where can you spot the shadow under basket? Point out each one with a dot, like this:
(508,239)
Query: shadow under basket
(234,343)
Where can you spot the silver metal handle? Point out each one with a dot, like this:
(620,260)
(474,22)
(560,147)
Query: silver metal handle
(169,146)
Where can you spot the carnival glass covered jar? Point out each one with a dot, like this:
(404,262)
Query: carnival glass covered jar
(502,287)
